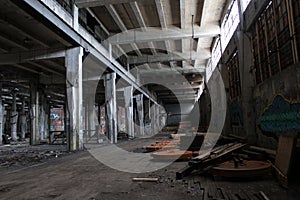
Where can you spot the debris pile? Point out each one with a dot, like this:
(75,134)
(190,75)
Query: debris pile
(20,155)
(233,160)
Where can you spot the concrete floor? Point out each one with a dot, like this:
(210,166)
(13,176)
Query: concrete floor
(80,176)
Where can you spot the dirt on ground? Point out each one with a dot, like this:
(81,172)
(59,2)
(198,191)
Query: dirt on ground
(80,176)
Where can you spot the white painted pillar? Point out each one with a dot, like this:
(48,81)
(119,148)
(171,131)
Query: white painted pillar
(47,121)
(92,117)
(42,112)
(86,123)
(129,110)
(111,106)
(140,110)
(147,117)
(1,115)
(152,115)
(34,113)
(75,17)
(14,118)
(156,119)
(73,62)
(23,121)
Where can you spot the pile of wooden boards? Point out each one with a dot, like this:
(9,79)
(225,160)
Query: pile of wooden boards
(209,158)
(162,145)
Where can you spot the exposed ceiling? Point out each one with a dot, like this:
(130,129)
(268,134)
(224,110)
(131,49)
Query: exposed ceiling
(153,35)
(23,36)
(159,35)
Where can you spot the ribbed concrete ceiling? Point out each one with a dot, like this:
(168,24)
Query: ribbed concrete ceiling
(184,28)
(159,35)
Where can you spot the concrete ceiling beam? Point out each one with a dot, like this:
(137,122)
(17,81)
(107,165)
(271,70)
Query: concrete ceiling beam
(176,56)
(21,57)
(137,12)
(105,30)
(154,34)
(163,23)
(46,68)
(121,25)
(12,41)
(177,86)
(95,3)
(203,22)
(27,33)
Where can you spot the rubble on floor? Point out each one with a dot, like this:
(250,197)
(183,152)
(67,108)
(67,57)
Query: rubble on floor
(21,154)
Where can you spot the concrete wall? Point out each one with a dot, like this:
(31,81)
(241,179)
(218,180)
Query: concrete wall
(255,99)
(174,113)
(287,84)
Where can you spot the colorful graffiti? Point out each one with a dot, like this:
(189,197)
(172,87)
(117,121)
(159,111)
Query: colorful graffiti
(236,114)
(280,116)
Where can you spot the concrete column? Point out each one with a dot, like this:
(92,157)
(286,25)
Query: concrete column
(129,110)
(47,121)
(140,110)
(147,116)
(86,122)
(34,113)
(157,118)
(1,114)
(23,120)
(75,17)
(163,117)
(14,118)
(152,116)
(66,127)
(92,117)
(73,62)
(247,84)
(42,114)
(111,107)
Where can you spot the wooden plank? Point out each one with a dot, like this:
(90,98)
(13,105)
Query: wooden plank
(285,149)
(220,193)
(263,195)
(283,180)
(145,179)
(264,150)
(205,160)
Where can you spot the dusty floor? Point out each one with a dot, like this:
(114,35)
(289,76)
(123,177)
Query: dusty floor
(80,176)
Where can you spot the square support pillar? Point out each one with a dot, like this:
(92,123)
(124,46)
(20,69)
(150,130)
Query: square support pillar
(34,113)
(73,62)
(152,117)
(42,114)
(75,17)
(14,118)
(128,91)
(23,120)
(157,118)
(111,106)
(147,116)
(140,110)
(1,115)
(90,117)
(247,85)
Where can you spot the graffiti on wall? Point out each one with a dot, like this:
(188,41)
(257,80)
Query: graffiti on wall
(281,116)
(236,114)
